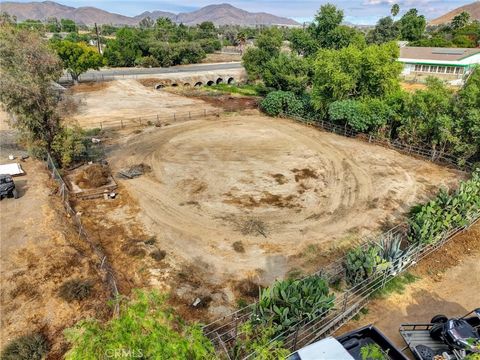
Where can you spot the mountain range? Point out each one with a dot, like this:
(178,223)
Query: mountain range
(222,14)
(473,9)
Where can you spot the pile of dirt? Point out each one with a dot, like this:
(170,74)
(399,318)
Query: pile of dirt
(134,171)
(227,102)
(93,176)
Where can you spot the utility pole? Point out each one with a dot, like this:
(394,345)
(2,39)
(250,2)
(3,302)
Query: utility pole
(98,39)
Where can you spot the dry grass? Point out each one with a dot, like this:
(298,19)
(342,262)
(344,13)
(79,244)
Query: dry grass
(93,176)
(87,87)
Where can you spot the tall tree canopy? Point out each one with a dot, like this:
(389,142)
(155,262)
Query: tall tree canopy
(29,67)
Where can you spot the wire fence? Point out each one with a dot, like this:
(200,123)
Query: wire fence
(433,155)
(225,331)
(157,119)
(104,267)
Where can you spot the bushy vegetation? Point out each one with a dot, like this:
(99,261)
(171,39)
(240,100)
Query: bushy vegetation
(362,263)
(372,352)
(75,290)
(28,347)
(283,103)
(257,340)
(145,328)
(290,302)
(430,221)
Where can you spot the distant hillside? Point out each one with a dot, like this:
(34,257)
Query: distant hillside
(81,15)
(473,9)
(219,14)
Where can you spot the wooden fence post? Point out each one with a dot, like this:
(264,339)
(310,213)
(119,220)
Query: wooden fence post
(205,112)
(121,122)
(189,115)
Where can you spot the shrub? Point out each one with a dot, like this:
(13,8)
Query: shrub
(361,263)
(158,254)
(69,145)
(257,340)
(289,302)
(147,61)
(145,327)
(28,347)
(75,289)
(283,103)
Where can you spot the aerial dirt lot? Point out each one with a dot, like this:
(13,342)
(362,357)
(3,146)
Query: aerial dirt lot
(127,99)
(274,185)
(237,199)
(449,284)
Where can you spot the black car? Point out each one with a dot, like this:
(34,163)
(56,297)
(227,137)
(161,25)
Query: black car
(7,187)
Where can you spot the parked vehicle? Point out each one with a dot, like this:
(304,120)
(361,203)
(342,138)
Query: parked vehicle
(349,346)
(453,338)
(7,187)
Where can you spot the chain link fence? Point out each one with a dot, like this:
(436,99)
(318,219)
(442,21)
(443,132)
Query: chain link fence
(104,267)
(224,331)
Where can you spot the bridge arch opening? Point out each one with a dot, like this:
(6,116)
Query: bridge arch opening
(210,83)
(230,80)
(159,86)
(219,81)
(174,85)
(197,84)
(186,85)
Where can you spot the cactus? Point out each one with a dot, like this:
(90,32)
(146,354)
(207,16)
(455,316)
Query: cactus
(361,263)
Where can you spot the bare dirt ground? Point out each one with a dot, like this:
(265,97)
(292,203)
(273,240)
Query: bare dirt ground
(127,99)
(39,251)
(240,196)
(449,284)
(273,185)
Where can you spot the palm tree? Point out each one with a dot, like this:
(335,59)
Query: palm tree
(395,10)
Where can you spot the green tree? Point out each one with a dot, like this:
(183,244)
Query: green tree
(146,23)
(68,25)
(302,42)
(267,47)
(283,103)
(69,143)
(28,67)
(385,30)
(343,36)
(145,328)
(125,49)
(351,73)
(428,118)
(395,10)
(412,25)
(460,20)
(78,57)
(287,72)
(326,20)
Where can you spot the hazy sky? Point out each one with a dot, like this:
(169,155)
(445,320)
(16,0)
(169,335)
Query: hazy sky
(356,11)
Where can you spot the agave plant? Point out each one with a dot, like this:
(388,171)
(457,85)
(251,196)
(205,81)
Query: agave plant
(289,302)
(390,250)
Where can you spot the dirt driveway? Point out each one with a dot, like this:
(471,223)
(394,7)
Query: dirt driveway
(449,284)
(274,185)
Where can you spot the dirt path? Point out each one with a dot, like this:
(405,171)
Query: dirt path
(449,284)
(305,187)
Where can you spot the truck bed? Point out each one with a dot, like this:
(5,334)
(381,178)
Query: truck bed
(419,334)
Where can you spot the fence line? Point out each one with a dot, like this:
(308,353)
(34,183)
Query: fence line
(435,156)
(157,119)
(103,263)
(224,332)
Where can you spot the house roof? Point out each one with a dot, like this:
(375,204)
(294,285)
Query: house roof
(437,54)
